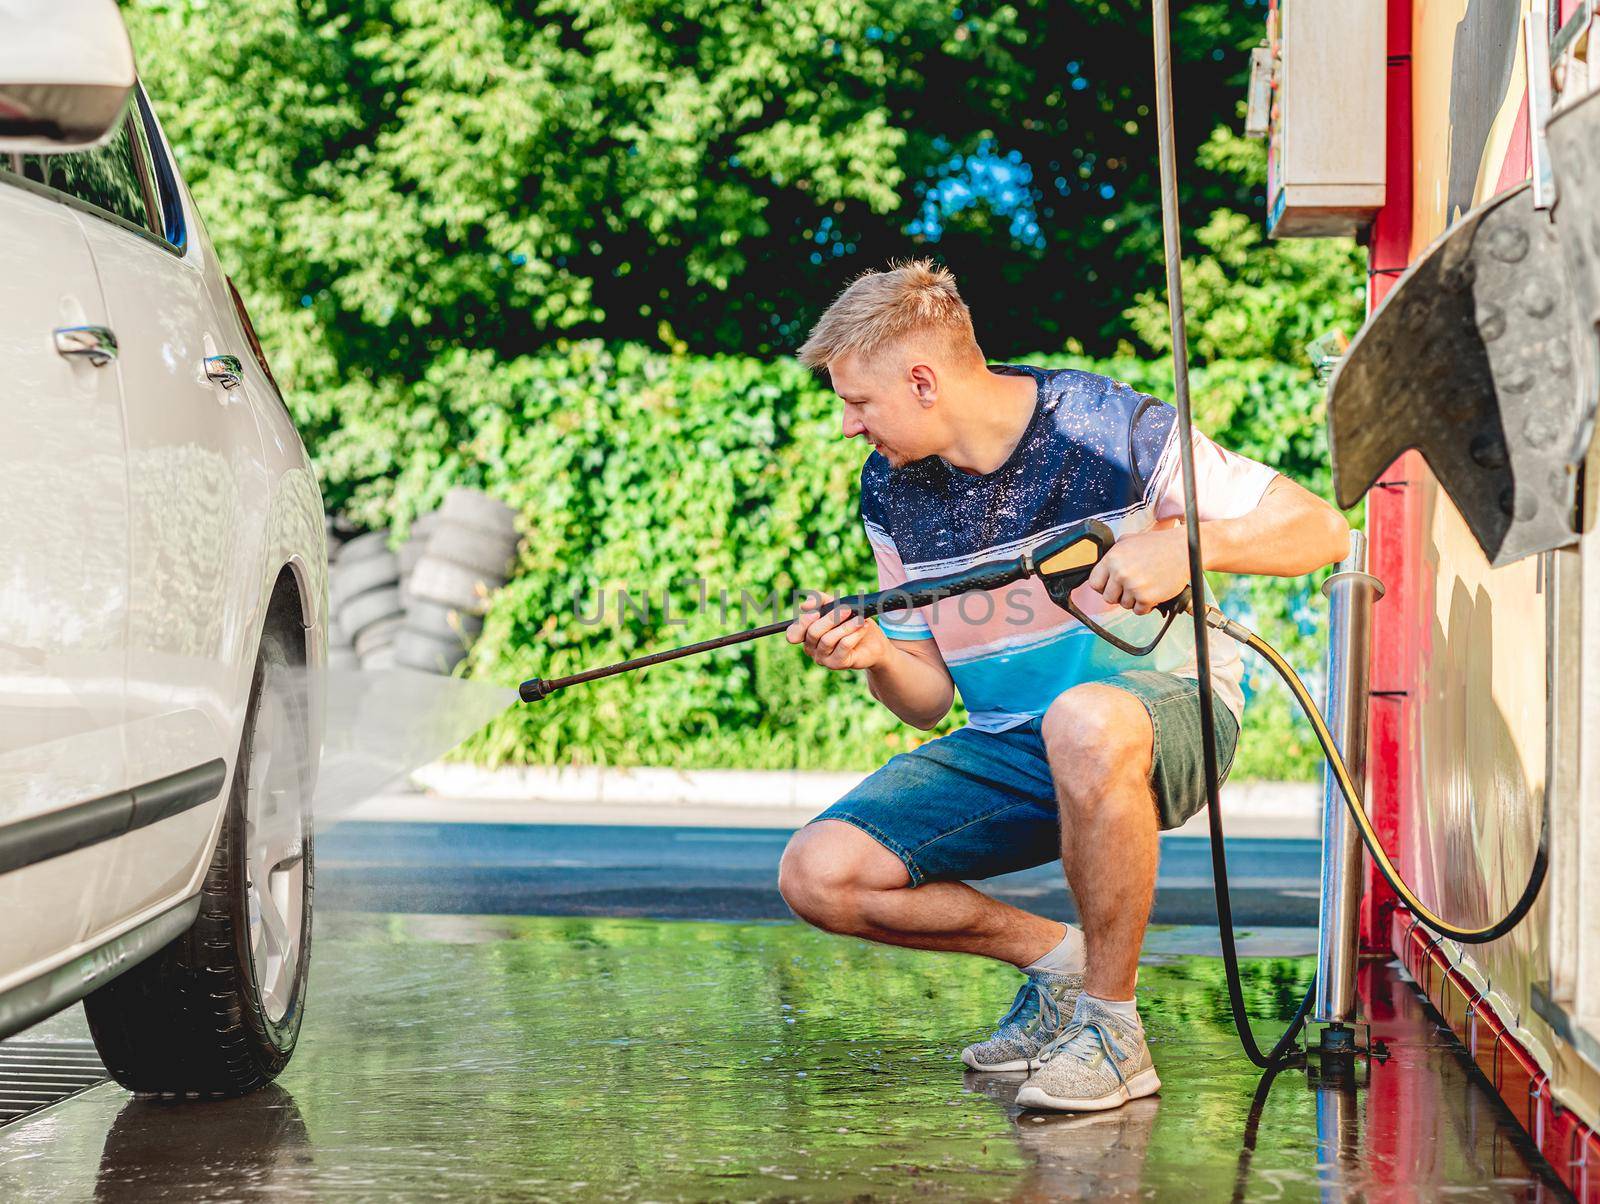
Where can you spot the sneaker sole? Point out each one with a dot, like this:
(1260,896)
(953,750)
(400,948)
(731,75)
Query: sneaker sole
(972,1063)
(1140,1085)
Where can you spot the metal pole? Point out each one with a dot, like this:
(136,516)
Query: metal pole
(1351,592)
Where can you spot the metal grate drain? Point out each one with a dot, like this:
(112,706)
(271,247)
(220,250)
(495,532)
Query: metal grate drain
(36,1074)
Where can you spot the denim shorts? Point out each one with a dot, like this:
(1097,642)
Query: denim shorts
(975,804)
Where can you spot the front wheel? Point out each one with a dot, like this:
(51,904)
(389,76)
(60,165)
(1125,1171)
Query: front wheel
(217,1012)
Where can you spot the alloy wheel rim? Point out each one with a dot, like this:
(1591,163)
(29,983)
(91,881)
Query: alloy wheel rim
(275,851)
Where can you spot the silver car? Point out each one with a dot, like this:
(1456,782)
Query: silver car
(163,594)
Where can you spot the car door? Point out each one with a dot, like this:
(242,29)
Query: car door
(197,508)
(63,581)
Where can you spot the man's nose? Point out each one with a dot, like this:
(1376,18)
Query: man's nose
(853,427)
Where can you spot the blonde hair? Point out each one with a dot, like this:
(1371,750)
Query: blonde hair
(880,308)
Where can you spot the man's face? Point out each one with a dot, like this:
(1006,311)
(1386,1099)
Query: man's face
(889,402)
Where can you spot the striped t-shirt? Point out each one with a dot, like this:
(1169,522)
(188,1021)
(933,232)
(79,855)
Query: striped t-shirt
(1094,448)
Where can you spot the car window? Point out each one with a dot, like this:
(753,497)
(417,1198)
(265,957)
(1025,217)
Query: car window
(112,178)
(164,178)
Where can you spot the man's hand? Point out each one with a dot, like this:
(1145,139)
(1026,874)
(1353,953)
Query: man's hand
(838,639)
(1142,571)
(1291,531)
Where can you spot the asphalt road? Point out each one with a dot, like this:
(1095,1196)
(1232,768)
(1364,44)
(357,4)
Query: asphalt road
(722,874)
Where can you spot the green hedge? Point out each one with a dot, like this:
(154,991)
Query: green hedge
(661,476)
(677,478)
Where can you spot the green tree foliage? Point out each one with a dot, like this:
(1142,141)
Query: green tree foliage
(413,175)
(668,498)
(1253,300)
(549,247)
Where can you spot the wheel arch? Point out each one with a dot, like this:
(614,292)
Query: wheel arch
(291,599)
(292,609)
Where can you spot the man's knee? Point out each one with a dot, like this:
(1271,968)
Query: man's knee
(1099,741)
(827,869)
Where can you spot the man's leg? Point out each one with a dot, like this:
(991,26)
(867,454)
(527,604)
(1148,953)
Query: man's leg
(840,879)
(1099,741)
(1117,787)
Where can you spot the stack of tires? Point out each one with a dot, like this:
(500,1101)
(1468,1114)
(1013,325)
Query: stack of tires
(470,544)
(364,601)
(420,606)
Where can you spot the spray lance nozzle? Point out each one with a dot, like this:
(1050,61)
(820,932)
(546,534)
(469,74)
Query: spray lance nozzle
(536,688)
(1062,563)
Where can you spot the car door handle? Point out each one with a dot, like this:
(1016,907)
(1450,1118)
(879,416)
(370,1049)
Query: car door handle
(226,370)
(93,343)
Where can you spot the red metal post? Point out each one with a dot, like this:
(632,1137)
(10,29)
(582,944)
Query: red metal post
(1390,530)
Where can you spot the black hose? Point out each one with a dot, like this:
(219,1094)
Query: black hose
(1205,615)
(1281,1052)
(1369,835)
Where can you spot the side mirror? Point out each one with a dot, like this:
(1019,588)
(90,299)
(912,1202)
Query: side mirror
(66,74)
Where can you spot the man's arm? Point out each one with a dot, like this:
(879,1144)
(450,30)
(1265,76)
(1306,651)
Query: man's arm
(914,684)
(1291,531)
(907,676)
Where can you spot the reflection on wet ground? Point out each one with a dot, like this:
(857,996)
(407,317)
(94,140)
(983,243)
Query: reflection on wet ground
(457,1057)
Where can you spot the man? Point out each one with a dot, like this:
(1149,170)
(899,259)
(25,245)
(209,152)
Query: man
(1072,749)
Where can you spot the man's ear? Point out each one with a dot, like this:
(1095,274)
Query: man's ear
(924,384)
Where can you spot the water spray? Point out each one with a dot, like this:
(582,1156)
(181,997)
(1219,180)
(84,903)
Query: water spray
(380,725)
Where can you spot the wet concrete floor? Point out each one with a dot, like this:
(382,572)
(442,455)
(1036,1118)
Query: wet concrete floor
(510,1058)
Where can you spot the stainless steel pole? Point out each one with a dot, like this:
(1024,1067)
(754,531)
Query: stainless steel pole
(1351,592)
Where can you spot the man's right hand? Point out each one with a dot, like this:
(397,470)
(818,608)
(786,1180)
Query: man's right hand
(838,638)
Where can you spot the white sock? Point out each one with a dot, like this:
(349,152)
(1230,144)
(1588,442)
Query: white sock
(1127,1009)
(1066,958)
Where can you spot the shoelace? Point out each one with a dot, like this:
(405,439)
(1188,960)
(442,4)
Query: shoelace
(1068,1041)
(1046,1002)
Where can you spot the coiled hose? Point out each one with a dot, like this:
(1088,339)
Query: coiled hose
(1284,1050)
(1369,836)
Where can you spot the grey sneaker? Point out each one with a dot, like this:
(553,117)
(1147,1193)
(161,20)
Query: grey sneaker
(1042,1005)
(1098,1061)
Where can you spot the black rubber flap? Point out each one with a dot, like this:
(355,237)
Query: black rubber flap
(1475,360)
(1574,139)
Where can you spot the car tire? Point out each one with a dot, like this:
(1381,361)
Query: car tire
(338,637)
(216,1013)
(379,658)
(474,508)
(432,654)
(410,552)
(484,551)
(440,621)
(378,635)
(373,543)
(453,585)
(357,577)
(362,611)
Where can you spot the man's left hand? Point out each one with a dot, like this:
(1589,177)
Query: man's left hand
(1142,571)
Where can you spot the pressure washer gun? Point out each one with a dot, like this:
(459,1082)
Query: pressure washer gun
(1062,563)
